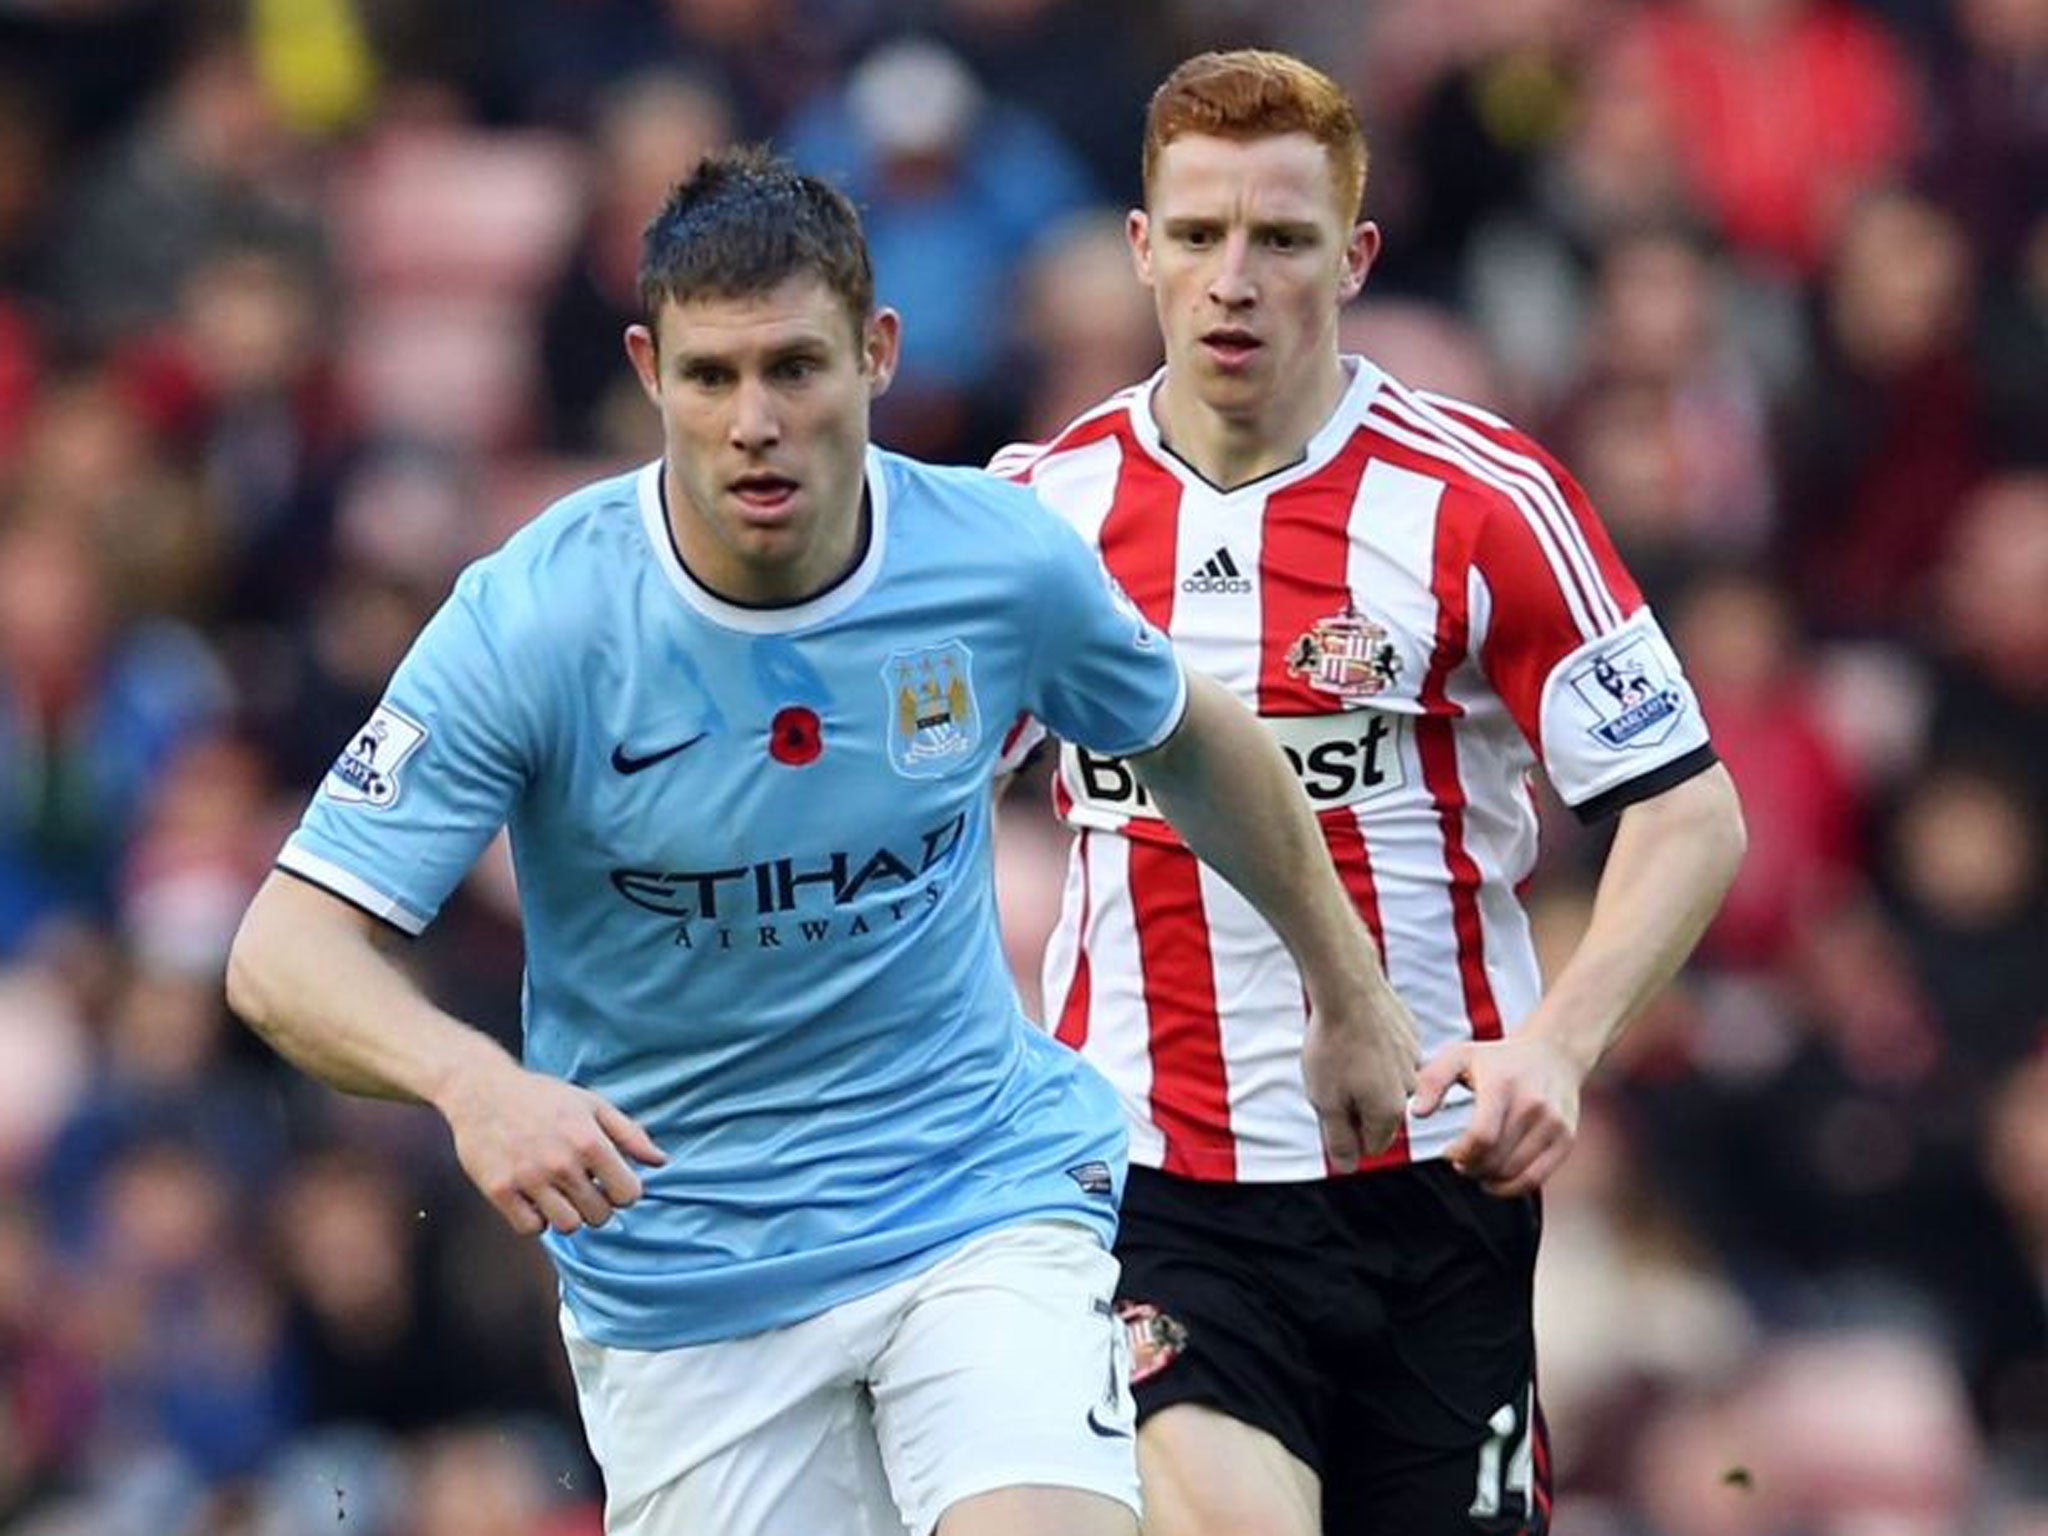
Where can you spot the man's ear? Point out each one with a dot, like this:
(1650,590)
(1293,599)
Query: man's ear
(1138,231)
(1360,252)
(881,348)
(645,353)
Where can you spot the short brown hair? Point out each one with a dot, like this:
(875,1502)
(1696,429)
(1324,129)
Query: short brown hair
(1251,93)
(745,222)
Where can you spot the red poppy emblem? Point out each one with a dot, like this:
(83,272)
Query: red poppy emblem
(796,737)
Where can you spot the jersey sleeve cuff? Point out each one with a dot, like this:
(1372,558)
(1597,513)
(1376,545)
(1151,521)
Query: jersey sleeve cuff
(1174,715)
(1610,802)
(353,889)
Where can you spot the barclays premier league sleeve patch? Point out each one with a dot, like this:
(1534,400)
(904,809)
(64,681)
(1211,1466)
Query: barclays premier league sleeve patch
(1629,693)
(1616,709)
(367,771)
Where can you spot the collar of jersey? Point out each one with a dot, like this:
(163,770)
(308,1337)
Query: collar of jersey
(766,620)
(1330,437)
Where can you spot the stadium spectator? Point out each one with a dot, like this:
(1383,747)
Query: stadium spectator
(1659,327)
(646,127)
(1083,324)
(1987,143)
(1744,654)
(1989,637)
(1890,432)
(241,384)
(1970,902)
(210,159)
(1782,111)
(91,710)
(956,187)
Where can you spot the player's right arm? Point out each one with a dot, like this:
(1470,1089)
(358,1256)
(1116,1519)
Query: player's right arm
(308,974)
(1111,683)
(1221,780)
(413,800)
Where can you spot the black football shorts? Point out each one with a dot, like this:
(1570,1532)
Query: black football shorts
(1378,1326)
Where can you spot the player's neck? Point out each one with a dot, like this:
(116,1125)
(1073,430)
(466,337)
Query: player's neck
(1232,444)
(839,543)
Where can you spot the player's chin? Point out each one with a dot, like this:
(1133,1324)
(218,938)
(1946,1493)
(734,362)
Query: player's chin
(771,544)
(768,524)
(1243,376)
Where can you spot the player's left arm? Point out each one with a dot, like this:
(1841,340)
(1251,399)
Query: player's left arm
(1579,660)
(1673,858)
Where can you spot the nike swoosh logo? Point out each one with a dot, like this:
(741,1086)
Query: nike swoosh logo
(626,764)
(1107,1431)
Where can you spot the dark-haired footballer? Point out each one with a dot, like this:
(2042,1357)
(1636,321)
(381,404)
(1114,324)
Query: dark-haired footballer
(831,1219)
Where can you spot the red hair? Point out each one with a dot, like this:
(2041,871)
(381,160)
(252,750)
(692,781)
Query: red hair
(1254,94)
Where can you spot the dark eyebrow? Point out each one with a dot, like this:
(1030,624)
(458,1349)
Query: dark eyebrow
(685,361)
(809,344)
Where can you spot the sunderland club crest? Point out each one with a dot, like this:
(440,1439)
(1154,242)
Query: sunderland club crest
(1345,654)
(934,722)
(1155,1339)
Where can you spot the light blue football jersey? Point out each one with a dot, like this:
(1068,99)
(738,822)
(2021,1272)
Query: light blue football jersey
(753,856)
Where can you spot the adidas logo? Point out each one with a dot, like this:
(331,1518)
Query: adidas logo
(1219,573)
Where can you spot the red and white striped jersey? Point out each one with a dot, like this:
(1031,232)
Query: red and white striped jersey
(1423,608)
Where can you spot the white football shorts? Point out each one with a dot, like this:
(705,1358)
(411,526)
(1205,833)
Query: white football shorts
(1001,1366)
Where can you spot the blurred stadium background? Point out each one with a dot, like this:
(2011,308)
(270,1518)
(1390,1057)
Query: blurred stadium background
(304,303)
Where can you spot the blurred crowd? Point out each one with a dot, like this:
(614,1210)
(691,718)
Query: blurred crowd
(305,303)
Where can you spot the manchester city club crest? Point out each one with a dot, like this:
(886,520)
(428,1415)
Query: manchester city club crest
(934,722)
(1345,654)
